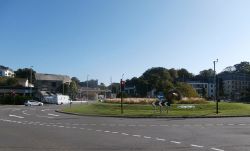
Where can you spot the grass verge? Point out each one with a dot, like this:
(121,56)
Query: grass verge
(134,110)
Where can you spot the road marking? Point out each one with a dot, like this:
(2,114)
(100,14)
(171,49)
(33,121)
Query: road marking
(217,149)
(45,116)
(89,129)
(98,130)
(106,131)
(131,125)
(242,124)
(175,142)
(82,128)
(53,114)
(147,137)
(137,135)
(114,132)
(160,139)
(24,112)
(125,134)
(196,146)
(15,116)
(61,126)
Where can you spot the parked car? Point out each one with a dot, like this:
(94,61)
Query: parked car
(33,103)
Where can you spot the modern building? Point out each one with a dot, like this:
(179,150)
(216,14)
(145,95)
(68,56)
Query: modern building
(204,89)
(235,85)
(6,72)
(51,82)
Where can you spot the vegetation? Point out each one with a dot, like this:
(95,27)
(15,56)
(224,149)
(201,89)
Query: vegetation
(134,110)
(160,79)
(25,73)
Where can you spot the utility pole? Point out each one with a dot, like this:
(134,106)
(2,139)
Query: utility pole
(215,88)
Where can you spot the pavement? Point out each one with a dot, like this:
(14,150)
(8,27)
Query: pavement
(41,128)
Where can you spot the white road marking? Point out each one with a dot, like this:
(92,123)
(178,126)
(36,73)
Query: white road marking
(53,114)
(197,146)
(15,116)
(160,139)
(217,149)
(45,116)
(98,130)
(125,134)
(114,132)
(106,131)
(61,126)
(137,135)
(242,124)
(175,142)
(24,112)
(147,137)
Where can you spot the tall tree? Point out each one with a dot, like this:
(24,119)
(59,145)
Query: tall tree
(243,67)
(73,89)
(26,73)
(184,74)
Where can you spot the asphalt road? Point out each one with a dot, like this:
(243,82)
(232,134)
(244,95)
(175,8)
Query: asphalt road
(43,129)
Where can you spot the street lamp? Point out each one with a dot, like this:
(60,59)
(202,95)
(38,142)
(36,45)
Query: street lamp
(215,88)
(121,83)
(87,87)
(31,81)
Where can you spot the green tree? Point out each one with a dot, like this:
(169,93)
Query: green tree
(73,89)
(184,74)
(186,89)
(207,73)
(243,67)
(25,73)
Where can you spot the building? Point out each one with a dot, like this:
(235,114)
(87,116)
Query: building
(234,85)
(204,89)
(6,72)
(51,82)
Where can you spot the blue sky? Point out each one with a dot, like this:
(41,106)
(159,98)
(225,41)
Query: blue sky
(106,38)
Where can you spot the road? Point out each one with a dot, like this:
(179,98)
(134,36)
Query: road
(41,128)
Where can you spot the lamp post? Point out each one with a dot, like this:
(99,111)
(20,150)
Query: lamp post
(215,88)
(31,81)
(121,83)
(87,87)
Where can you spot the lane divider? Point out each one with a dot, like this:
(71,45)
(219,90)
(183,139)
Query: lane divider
(15,116)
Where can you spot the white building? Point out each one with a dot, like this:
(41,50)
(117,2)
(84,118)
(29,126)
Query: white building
(6,72)
(203,87)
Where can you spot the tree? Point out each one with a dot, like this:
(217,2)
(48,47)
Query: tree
(76,80)
(207,73)
(102,86)
(173,73)
(73,89)
(243,67)
(184,74)
(186,89)
(25,73)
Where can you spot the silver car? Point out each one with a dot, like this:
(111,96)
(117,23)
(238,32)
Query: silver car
(33,103)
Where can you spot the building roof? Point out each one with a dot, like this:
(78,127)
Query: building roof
(52,77)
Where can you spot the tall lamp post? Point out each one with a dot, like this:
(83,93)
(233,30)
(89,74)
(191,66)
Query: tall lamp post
(122,89)
(87,87)
(215,88)
(31,81)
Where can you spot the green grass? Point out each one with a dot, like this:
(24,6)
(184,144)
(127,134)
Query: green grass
(202,110)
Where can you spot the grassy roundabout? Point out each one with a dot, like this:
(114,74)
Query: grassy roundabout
(134,110)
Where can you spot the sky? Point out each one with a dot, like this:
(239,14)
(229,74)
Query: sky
(104,39)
